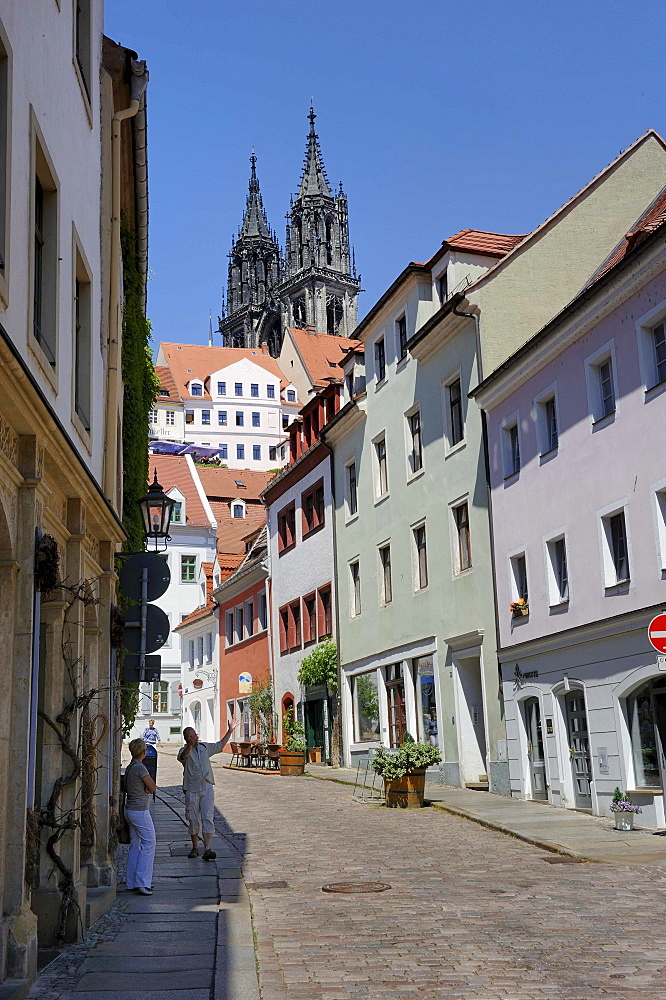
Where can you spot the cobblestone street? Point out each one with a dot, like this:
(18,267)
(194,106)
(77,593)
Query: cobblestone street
(471,912)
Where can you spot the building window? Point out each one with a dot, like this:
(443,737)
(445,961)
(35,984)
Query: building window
(188,569)
(256,420)
(270,391)
(401,330)
(558,573)
(421,557)
(152,416)
(256,452)
(82,36)
(222,418)
(381,484)
(189,416)
(238,510)
(461,515)
(196,389)
(658,336)
(601,383)
(352,492)
(295,641)
(229,627)
(254,389)
(455,412)
(272,453)
(209,646)
(642,720)
(262,611)
(191,654)
(386,595)
(83,343)
(221,388)
(291,396)
(284,630)
(547,430)
(240,451)
(240,420)
(160,697)
(415,442)
(365,701)
(224,451)
(511,442)
(606,391)
(45,259)
(519,590)
(177,512)
(170,417)
(205,417)
(312,504)
(287,527)
(380,360)
(309,619)
(324,612)
(355,571)
(238,389)
(200,649)
(240,618)
(443,288)
(249,618)
(615,530)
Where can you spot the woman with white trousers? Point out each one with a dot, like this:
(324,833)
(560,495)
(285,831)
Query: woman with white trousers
(138,789)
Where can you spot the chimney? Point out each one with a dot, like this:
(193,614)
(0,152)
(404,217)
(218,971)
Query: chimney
(264,348)
(311,330)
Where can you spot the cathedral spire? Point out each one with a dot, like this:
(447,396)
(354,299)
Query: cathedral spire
(314,180)
(254,220)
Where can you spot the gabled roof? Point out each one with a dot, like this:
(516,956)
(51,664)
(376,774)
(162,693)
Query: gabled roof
(652,218)
(193,361)
(256,553)
(222,484)
(166,380)
(209,606)
(321,353)
(478,241)
(177,470)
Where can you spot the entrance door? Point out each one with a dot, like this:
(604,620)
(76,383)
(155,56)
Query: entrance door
(314,724)
(535,754)
(579,749)
(397,713)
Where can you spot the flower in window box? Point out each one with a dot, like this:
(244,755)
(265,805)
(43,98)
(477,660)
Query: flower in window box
(519,608)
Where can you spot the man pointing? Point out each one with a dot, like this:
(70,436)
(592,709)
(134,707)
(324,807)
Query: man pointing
(199,786)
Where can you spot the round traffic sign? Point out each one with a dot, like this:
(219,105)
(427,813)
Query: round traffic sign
(157,629)
(180,690)
(158,576)
(657,633)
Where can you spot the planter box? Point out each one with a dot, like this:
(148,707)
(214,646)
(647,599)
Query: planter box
(315,755)
(624,820)
(292,762)
(520,612)
(407,792)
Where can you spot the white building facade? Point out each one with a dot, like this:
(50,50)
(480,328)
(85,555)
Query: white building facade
(199,637)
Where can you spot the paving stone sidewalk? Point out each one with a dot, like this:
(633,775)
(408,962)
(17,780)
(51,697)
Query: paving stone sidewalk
(192,939)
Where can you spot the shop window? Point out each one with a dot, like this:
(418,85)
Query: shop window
(646,708)
(426,704)
(365,693)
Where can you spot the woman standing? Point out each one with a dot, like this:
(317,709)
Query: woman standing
(138,788)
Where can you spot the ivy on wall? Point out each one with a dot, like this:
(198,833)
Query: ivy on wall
(140,389)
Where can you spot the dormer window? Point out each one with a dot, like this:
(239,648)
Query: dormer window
(196,389)
(237,508)
(291,396)
(178,515)
(443,288)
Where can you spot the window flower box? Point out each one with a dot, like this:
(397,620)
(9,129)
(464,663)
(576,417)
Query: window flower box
(519,609)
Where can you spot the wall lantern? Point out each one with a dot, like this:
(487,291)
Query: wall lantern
(156,508)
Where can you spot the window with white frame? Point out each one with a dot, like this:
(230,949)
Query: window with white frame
(221,388)
(262,611)
(351,489)
(443,287)
(209,646)
(660,514)
(188,569)
(381,468)
(189,416)
(170,417)
(355,573)
(414,442)
(291,395)
(44,256)
(615,548)
(229,627)
(557,571)
(511,448)
(601,380)
(238,388)
(453,411)
(200,649)
(518,578)
(420,557)
(270,392)
(249,618)
(177,512)
(83,342)
(238,508)
(547,423)
(659,349)
(380,360)
(463,547)
(196,389)
(401,337)
(191,654)
(385,579)
(239,622)
(205,417)
(152,416)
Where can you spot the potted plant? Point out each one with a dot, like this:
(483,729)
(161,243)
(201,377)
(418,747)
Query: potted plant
(292,751)
(624,810)
(519,608)
(404,771)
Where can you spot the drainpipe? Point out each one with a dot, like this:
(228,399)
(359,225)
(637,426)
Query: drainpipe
(138,83)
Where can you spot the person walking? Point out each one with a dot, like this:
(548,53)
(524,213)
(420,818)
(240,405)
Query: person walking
(138,788)
(150,737)
(199,787)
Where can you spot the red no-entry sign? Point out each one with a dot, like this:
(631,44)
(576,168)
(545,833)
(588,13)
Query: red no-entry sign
(657,633)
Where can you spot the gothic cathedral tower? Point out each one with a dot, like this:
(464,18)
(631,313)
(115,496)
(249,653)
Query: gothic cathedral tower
(255,271)
(320,286)
(316,285)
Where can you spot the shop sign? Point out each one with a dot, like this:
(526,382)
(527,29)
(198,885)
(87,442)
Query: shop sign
(245,683)
(519,677)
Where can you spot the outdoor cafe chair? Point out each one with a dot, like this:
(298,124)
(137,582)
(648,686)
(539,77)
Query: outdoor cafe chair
(246,754)
(273,755)
(235,754)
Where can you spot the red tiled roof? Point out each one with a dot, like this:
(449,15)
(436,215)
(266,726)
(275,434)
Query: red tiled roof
(481,242)
(209,605)
(174,470)
(167,382)
(321,353)
(653,217)
(220,484)
(188,361)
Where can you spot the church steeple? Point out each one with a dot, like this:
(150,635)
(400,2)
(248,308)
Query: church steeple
(254,220)
(314,181)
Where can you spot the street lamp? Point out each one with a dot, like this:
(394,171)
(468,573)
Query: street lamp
(156,508)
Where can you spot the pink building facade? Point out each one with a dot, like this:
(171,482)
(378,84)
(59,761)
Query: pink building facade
(575,424)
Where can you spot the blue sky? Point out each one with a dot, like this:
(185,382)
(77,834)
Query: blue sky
(436,116)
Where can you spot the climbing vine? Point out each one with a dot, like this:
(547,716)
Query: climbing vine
(141,387)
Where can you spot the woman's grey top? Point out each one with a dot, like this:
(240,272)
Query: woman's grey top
(138,796)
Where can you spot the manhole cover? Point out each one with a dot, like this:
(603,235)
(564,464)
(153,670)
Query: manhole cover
(557,859)
(355,887)
(279,884)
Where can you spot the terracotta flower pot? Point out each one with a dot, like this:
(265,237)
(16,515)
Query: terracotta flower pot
(292,762)
(407,792)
